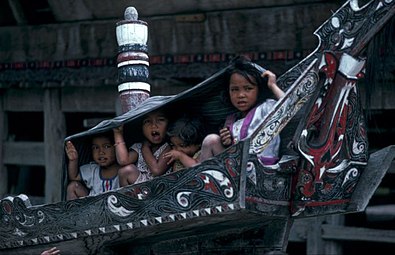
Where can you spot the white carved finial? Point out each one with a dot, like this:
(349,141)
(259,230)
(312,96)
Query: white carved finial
(131,13)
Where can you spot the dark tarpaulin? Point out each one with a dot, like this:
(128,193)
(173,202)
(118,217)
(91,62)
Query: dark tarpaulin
(204,100)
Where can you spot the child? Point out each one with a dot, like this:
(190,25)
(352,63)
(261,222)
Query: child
(248,94)
(52,251)
(99,175)
(144,160)
(186,136)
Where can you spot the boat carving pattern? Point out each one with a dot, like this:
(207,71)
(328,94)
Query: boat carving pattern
(330,142)
(209,188)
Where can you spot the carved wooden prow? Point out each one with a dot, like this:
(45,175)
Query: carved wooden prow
(232,196)
(331,139)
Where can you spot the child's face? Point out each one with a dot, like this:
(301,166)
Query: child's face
(155,127)
(178,145)
(103,151)
(243,94)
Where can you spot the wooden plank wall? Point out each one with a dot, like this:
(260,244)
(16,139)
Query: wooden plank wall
(226,31)
(65,11)
(54,134)
(178,28)
(3,132)
(54,103)
(328,235)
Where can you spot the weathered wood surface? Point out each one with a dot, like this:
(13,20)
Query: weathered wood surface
(72,99)
(87,9)
(376,213)
(358,234)
(378,165)
(17,12)
(332,234)
(239,31)
(3,133)
(177,205)
(231,226)
(23,153)
(55,131)
(233,31)
(344,233)
(99,99)
(264,207)
(23,100)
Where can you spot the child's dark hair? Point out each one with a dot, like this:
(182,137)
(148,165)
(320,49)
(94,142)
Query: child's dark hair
(244,66)
(190,130)
(107,134)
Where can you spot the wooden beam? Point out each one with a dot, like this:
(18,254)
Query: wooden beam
(23,153)
(314,242)
(3,168)
(344,233)
(392,168)
(54,134)
(97,99)
(70,10)
(378,165)
(87,9)
(232,31)
(298,231)
(380,98)
(377,213)
(74,99)
(331,246)
(23,100)
(173,7)
(239,31)
(17,11)
(303,228)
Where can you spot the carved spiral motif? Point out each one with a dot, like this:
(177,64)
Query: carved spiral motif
(121,211)
(182,198)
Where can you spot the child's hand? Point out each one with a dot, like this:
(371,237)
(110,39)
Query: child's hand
(52,251)
(172,156)
(71,152)
(271,78)
(118,129)
(226,138)
(272,84)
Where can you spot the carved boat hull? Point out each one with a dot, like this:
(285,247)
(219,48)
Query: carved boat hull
(224,194)
(231,200)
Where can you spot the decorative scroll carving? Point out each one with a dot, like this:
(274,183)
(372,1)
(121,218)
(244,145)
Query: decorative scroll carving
(331,139)
(212,187)
(273,183)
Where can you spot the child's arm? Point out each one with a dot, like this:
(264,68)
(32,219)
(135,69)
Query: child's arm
(124,156)
(272,84)
(157,166)
(72,154)
(186,160)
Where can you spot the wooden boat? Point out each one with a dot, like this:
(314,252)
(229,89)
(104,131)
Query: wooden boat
(231,202)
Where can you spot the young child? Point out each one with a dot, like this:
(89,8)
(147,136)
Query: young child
(249,95)
(52,251)
(186,136)
(143,161)
(99,175)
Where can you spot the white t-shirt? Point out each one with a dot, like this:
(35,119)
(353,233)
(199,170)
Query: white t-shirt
(91,175)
